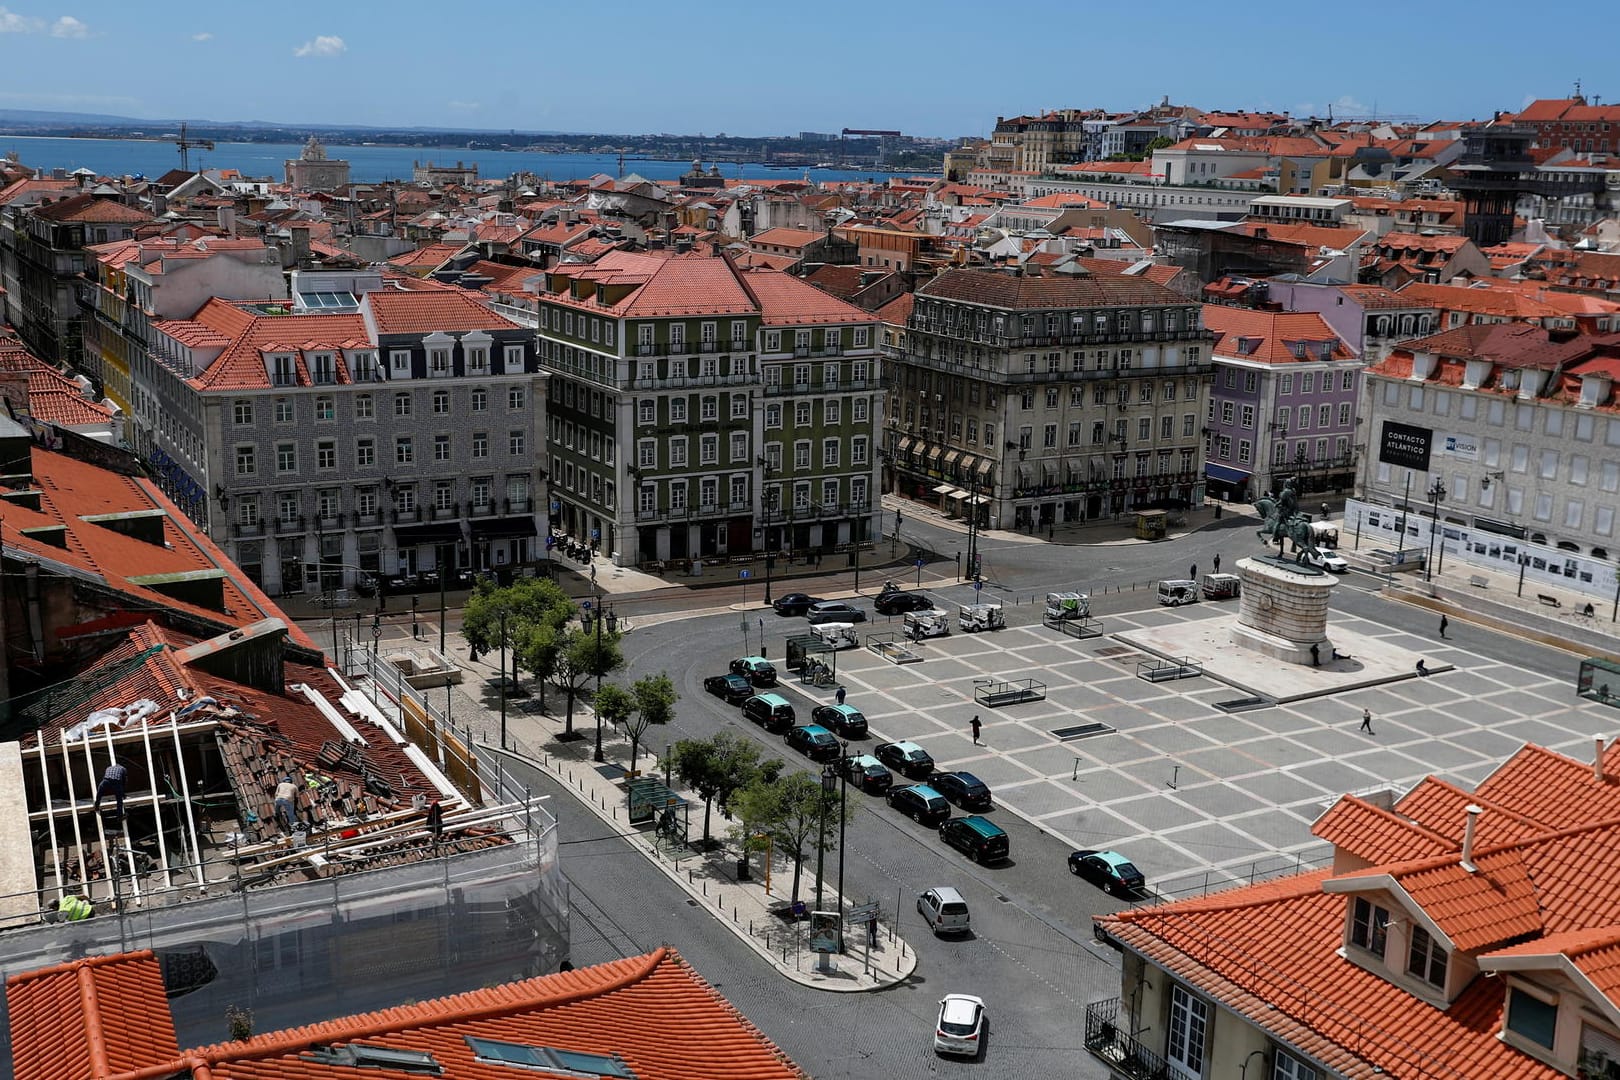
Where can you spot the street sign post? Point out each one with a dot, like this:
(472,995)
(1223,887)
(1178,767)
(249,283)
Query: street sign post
(919,573)
(743,576)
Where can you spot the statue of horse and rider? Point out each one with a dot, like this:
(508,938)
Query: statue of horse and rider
(1284,521)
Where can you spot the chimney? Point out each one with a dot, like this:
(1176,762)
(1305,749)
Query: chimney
(1597,759)
(300,245)
(227,220)
(1473,812)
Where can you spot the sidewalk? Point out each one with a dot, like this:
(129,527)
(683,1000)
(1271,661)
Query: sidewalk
(1101,531)
(751,911)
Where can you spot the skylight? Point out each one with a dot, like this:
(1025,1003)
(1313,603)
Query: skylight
(327,301)
(548,1059)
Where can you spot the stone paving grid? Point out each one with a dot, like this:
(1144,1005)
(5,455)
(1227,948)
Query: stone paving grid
(1246,787)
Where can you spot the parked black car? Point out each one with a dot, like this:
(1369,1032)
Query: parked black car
(962,788)
(794,603)
(920,803)
(867,773)
(814,742)
(898,603)
(733,689)
(844,720)
(906,758)
(977,838)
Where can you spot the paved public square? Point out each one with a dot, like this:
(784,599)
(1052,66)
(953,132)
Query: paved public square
(1200,797)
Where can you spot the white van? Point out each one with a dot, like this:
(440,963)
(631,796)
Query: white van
(944,909)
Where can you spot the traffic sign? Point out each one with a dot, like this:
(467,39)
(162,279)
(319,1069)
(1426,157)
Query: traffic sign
(918,564)
(744,574)
(977,585)
(586,605)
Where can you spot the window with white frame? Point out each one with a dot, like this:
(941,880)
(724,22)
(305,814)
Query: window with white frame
(773,416)
(739,446)
(1369,926)
(677,452)
(647,494)
(646,411)
(326,455)
(829,453)
(709,449)
(404,451)
(365,407)
(739,489)
(399,362)
(646,454)
(677,494)
(801,414)
(739,406)
(801,495)
(286,457)
(402,404)
(858,450)
(245,465)
(801,454)
(1426,959)
(1284,1066)
(709,491)
(858,410)
(284,410)
(709,406)
(1188,1031)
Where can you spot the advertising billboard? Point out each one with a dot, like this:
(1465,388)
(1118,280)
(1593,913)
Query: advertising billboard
(1405,445)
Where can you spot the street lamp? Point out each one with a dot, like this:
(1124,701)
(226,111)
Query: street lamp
(503,678)
(829,784)
(1436,494)
(843,807)
(598,615)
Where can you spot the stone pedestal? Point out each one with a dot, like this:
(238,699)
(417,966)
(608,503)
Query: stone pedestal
(1283,610)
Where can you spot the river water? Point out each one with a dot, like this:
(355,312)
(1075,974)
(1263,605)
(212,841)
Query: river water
(152,158)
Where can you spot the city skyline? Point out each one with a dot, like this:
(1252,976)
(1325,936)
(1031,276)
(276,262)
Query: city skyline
(752,71)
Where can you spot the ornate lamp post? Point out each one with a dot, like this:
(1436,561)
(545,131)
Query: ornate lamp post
(1436,494)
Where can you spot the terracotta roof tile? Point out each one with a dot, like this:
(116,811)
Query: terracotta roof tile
(785,300)
(1271,336)
(96,1016)
(653,1012)
(428,312)
(785,237)
(1047,291)
(1376,835)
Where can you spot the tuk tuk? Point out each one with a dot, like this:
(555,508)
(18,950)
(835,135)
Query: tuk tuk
(1062,606)
(928,623)
(1220,586)
(1178,591)
(975,617)
(837,635)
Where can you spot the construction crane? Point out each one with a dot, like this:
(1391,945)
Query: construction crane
(186,146)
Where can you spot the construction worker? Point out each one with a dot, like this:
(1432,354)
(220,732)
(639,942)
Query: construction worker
(70,908)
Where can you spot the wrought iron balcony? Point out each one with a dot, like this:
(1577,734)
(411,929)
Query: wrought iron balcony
(1123,1055)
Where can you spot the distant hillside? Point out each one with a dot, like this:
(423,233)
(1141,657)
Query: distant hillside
(39,118)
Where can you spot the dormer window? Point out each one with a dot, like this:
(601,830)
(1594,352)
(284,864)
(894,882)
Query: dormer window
(439,363)
(283,371)
(365,367)
(1369,926)
(1426,959)
(322,369)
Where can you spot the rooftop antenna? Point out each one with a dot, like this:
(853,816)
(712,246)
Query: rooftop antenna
(186,144)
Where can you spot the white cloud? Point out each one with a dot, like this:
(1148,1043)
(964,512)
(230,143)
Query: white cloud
(69,27)
(464,106)
(12,23)
(324,45)
(202,36)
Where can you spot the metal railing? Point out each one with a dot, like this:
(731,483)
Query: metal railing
(1122,1053)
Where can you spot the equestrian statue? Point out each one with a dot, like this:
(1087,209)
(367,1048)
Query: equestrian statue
(1284,521)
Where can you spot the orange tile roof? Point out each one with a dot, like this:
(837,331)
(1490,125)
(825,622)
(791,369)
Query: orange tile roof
(427,312)
(785,300)
(1337,237)
(1554,790)
(686,284)
(1275,331)
(654,1012)
(72,489)
(897,312)
(1441,807)
(1376,835)
(785,237)
(95,1016)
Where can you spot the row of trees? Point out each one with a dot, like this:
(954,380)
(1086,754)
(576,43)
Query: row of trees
(543,634)
(792,811)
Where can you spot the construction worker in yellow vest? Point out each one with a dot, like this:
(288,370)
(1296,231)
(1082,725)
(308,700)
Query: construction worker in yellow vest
(70,909)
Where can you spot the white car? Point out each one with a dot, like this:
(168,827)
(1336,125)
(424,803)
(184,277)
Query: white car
(962,1025)
(1329,560)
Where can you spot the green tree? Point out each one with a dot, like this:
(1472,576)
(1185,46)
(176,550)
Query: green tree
(538,651)
(717,769)
(522,609)
(1161,143)
(793,810)
(582,657)
(614,704)
(655,697)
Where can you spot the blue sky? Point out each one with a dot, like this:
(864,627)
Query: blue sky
(943,68)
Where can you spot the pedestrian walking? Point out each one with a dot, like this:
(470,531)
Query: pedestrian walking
(840,695)
(976,728)
(1366,721)
(1444,622)
(1316,654)
(1217,563)
(1051,530)
(1192,571)
(113,782)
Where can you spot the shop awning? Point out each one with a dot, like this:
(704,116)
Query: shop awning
(504,528)
(943,489)
(933,454)
(438,532)
(978,500)
(903,445)
(986,466)
(951,457)
(1225,473)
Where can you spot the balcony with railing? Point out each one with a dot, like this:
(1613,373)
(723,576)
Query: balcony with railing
(294,524)
(407,517)
(683,382)
(332,522)
(481,509)
(1123,1054)
(247,529)
(518,506)
(444,513)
